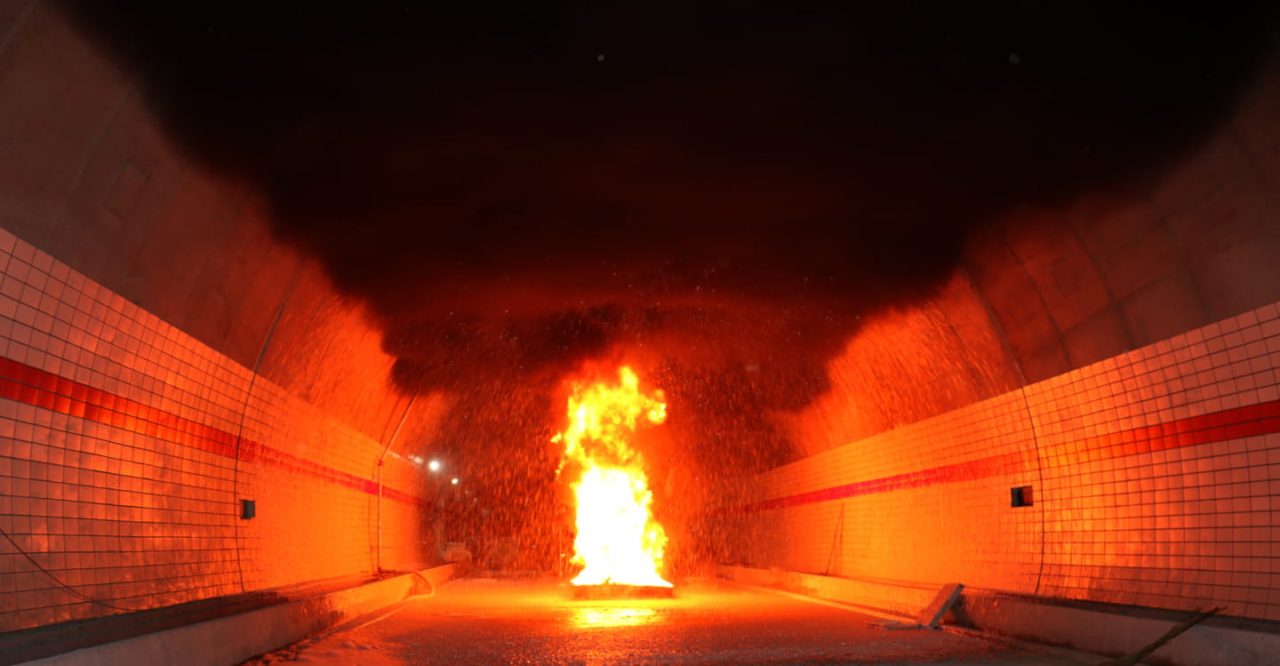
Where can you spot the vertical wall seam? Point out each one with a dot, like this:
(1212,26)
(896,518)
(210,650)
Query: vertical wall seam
(1131,340)
(1001,334)
(1254,170)
(1022,266)
(377,563)
(1197,289)
(242,198)
(244,411)
(971,369)
(835,559)
(61,218)
(1035,445)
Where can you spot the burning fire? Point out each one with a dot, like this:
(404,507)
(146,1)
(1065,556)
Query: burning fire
(618,541)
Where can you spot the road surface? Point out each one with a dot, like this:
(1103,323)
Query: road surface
(486,621)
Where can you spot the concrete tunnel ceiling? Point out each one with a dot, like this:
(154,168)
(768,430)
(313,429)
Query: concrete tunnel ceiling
(778,214)
(720,196)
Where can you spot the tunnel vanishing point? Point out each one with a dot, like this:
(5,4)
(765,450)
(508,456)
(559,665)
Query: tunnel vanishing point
(956,316)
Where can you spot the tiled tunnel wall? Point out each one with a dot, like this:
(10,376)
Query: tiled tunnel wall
(110,430)
(126,447)
(162,358)
(1153,476)
(1119,355)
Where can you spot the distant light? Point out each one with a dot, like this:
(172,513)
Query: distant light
(454,481)
(416,459)
(434,465)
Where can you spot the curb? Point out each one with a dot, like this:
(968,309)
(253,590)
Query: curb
(236,638)
(1086,626)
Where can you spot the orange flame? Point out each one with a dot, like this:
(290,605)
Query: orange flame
(618,540)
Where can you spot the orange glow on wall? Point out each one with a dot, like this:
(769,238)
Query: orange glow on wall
(618,541)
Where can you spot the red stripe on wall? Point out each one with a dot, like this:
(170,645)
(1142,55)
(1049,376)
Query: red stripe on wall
(33,386)
(1228,424)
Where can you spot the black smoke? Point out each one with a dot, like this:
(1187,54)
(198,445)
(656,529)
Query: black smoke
(516,187)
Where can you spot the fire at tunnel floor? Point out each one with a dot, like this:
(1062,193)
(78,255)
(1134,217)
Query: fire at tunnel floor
(485,621)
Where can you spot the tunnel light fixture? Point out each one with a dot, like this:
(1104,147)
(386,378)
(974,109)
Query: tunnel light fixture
(434,465)
(454,481)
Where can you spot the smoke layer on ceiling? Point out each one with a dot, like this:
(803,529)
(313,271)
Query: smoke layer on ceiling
(513,188)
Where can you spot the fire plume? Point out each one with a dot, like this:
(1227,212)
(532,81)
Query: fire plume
(618,542)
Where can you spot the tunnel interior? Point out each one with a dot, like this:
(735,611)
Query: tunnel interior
(928,293)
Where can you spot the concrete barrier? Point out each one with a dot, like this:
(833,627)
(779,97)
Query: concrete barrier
(1112,632)
(1093,627)
(234,638)
(902,600)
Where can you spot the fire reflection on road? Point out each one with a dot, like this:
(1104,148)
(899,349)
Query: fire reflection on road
(585,618)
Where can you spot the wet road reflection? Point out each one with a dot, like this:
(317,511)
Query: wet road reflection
(708,622)
(586,618)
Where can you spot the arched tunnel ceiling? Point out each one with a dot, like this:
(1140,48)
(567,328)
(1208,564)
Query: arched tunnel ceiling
(743,200)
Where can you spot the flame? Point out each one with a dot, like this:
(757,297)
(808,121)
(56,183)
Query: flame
(618,541)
